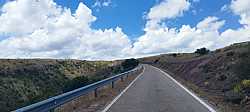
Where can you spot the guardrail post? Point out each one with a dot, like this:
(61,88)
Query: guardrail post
(122,78)
(95,93)
(112,84)
(52,110)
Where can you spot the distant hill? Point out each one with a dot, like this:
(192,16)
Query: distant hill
(221,76)
(26,81)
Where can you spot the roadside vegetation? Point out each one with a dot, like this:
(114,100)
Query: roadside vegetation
(24,82)
(202,51)
(221,76)
(242,69)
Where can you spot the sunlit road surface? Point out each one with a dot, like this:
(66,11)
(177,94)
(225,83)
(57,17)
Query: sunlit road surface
(155,91)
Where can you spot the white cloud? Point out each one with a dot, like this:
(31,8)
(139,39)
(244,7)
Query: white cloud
(25,16)
(186,39)
(233,36)
(102,3)
(44,29)
(210,24)
(161,39)
(167,9)
(242,8)
(109,44)
(224,8)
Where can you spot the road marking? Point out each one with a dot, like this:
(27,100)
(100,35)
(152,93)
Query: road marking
(116,98)
(192,94)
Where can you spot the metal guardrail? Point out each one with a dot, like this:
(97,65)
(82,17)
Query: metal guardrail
(56,101)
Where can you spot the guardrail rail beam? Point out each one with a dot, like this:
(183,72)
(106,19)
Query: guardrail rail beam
(56,101)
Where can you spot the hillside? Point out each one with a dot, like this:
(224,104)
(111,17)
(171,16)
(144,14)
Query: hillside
(222,76)
(26,81)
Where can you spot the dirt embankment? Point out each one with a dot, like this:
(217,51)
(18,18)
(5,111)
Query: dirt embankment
(222,77)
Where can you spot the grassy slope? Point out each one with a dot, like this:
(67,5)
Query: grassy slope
(24,82)
(221,76)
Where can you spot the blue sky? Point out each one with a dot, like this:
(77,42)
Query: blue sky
(128,14)
(114,29)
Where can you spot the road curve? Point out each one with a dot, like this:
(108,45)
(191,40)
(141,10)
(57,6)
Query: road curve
(153,91)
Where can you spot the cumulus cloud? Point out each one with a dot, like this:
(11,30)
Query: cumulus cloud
(241,7)
(162,39)
(44,29)
(210,24)
(185,39)
(167,9)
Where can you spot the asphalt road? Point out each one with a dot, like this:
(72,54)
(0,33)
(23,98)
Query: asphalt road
(153,91)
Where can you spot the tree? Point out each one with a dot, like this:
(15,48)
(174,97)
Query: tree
(129,64)
(202,51)
(174,54)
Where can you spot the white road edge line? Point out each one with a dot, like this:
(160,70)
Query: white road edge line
(117,97)
(192,94)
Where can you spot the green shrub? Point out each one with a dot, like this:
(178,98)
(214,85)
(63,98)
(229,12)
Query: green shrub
(76,83)
(237,88)
(240,87)
(129,64)
(174,54)
(202,51)
(245,83)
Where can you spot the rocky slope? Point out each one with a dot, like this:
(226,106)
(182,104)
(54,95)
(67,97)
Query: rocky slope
(222,76)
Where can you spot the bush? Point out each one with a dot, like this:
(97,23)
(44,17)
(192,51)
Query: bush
(174,54)
(202,51)
(76,83)
(129,64)
(230,53)
(237,88)
(156,61)
(245,83)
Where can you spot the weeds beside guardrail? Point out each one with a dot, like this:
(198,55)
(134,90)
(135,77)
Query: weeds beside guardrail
(56,101)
